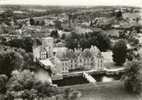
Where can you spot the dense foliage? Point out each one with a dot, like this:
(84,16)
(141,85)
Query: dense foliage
(13,58)
(119,52)
(25,43)
(7,16)
(133,77)
(83,41)
(24,85)
(10,61)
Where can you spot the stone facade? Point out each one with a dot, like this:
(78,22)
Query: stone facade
(84,63)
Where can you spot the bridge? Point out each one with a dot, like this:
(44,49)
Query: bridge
(89,78)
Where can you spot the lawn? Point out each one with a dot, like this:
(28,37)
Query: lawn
(104,91)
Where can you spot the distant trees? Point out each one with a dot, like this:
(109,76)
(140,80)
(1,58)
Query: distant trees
(7,16)
(118,14)
(58,24)
(134,41)
(133,77)
(119,52)
(36,22)
(98,38)
(32,21)
(123,35)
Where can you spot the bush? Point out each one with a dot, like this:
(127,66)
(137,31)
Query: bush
(133,77)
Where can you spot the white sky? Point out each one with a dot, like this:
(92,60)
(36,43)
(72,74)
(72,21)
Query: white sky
(75,2)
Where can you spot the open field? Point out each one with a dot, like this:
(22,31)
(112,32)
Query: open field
(104,91)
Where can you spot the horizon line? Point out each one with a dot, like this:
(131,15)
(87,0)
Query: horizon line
(72,5)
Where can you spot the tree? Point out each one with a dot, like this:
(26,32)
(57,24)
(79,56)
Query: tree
(25,43)
(102,40)
(25,84)
(133,77)
(28,44)
(134,41)
(118,14)
(58,24)
(84,43)
(72,41)
(98,38)
(119,52)
(21,84)
(21,80)
(10,61)
(71,94)
(3,81)
(28,60)
(45,89)
(32,21)
(63,36)
(54,34)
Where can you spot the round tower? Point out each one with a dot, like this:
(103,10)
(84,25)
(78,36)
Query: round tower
(48,44)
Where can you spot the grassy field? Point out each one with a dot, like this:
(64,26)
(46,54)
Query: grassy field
(104,91)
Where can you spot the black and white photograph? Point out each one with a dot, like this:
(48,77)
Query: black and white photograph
(70,49)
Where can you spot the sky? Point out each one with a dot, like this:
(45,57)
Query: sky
(75,2)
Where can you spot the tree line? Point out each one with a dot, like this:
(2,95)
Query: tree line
(97,38)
